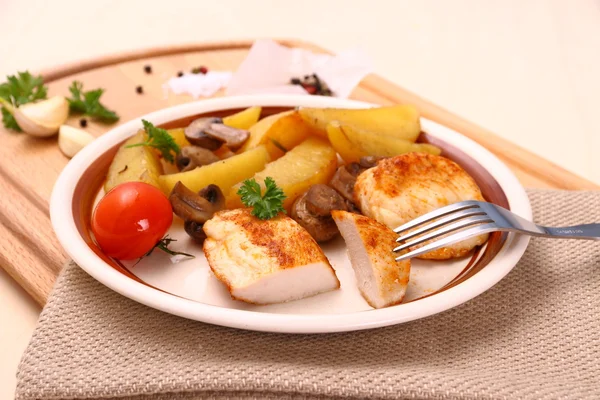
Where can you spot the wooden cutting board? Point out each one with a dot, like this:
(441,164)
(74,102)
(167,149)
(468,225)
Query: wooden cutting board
(30,252)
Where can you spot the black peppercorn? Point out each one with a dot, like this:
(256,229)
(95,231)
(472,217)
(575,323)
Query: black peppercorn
(139,89)
(296,81)
(148,69)
(180,74)
(83,122)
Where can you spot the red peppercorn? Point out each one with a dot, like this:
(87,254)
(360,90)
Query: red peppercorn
(203,69)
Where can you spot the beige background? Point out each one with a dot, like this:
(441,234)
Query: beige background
(527,70)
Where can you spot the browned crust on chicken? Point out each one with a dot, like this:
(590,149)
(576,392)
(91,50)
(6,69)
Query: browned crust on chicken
(414,184)
(290,244)
(417,170)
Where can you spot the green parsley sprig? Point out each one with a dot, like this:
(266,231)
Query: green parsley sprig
(264,206)
(159,139)
(88,103)
(20,89)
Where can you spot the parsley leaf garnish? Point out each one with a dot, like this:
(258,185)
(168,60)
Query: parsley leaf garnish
(160,139)
(20,89)
(9,121)
(23,88)
(264,206)
(88,103)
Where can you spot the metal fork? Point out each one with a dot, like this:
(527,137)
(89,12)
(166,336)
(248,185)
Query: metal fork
(471,218)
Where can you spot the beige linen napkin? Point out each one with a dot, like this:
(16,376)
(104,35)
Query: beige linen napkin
(535,335)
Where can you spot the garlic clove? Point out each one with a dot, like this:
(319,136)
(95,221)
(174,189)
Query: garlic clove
(71,140)
(43,118)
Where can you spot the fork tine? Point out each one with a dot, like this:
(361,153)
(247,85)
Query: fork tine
(447,229)
(442,221)
(457,237)
(440,212)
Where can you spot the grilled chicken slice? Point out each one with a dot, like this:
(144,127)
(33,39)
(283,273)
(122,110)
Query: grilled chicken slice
(264,262)
(381,279)
(407,186)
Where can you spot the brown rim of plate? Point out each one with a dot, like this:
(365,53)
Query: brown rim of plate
(93,177)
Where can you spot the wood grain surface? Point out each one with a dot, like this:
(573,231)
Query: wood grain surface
(30,252)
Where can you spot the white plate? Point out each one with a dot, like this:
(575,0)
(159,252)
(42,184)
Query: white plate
(188,288)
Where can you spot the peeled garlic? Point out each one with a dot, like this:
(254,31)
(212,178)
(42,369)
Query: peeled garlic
(43,118)
(71,140)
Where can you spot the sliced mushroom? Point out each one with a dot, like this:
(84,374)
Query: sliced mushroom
(370,161)
(195,231)
(190,206)
(321,229)
(321,200)
(354,169)
(196,133)
(234,138)
(351,207)
(196,208)
(343,181)
(211,133)
(214,195)
(191,157)
(345,177)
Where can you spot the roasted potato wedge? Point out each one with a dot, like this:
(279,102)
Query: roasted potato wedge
(243,119)
(311,162)
(178,135)
(279,133)
(260,129)
(224,152)
(401,121)
(353,143)
(342,145)
(134,164)
(286,133)
(224,174)
(167,167)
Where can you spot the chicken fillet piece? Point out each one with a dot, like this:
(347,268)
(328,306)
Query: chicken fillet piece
(266,261)
(381,279)
(402,188)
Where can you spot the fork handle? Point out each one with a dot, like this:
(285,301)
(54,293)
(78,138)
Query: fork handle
(586,231)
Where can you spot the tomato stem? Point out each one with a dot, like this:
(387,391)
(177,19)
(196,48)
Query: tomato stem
(163,244)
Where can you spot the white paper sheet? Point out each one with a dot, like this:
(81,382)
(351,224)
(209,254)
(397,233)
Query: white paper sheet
(269,67)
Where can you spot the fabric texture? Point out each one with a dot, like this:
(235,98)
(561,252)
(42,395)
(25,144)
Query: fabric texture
(535,335)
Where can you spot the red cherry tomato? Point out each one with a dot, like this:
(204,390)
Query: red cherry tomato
(130,219)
